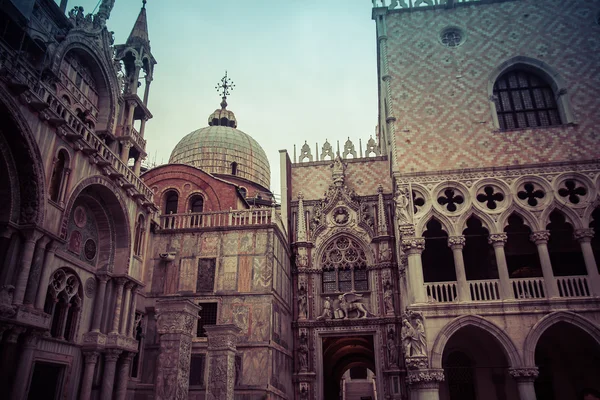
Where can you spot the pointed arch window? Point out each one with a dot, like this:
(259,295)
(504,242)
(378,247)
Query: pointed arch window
(525,100)
(64,303)
(344,267)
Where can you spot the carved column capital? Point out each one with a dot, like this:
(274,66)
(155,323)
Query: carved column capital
(584,235)
(222,337)
(498,239)
(425,378)
(540,237)
(112,355)
(121,281)
(524,374)
(127,357)
(413,245)
(91,357)
(456,242)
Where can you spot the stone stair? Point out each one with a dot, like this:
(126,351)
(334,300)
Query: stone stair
(359,390)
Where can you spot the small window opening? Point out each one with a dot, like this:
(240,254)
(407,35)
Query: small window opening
(208,316)
(234,167)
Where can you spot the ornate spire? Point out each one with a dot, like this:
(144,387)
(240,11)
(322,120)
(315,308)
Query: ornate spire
(301,235)
(223,88)
(105,9)
(139,33)
(382,226)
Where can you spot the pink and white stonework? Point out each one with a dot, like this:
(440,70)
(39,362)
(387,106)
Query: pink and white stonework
(451,256)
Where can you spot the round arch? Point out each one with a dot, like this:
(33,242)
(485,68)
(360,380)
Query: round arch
(109,201)
(507,345)
(547,321)
(27,202)
(101,68)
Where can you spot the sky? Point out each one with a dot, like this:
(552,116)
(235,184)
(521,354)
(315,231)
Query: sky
(303,69)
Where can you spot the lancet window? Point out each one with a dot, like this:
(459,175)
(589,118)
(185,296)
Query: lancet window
(63,303)
(344,266)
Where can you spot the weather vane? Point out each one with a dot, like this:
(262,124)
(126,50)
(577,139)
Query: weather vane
(225,86)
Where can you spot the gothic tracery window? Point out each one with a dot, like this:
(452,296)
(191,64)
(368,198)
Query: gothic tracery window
(63,303)
(344,267)
(524,100)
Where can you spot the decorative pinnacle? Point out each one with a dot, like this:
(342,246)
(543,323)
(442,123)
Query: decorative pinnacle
(143,3)
(223,88)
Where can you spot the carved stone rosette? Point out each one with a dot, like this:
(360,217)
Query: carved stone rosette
(176,325)
(222,341)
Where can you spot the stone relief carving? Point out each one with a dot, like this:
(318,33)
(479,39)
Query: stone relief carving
(304,391)
(219,379)
(403,214)
(303,351)
(338,169)
(414,341)
(302,299)
(327,309)
(349,302)
(392,347)
(428,376)
(388,293)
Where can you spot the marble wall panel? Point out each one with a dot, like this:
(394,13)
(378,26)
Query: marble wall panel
(255,364)
(230,244)
(228,273)
(209,244)
(187,274)
(261,274)
(245,274)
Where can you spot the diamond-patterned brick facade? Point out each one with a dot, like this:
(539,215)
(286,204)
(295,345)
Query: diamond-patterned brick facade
(363,176)
(441,95)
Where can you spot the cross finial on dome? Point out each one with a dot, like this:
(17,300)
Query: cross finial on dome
(223,88)
(143,3)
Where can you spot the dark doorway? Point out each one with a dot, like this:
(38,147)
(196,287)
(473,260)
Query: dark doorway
(46,381)
(340,354)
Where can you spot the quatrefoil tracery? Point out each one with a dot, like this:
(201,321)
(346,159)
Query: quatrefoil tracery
(450,200)
(572,191)
(490,197)
(531,194)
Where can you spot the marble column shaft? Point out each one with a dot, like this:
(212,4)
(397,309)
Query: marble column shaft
(131,327)
(24,365)
(125,310)
(413,247)
(457,243)
(525,378)
(47,269)
(108,378)
(123,376)
(498,241)
(585,236)
(90,361)
(25,266)
(35,273)
(10,260)
(120,282)
(541,241)
(99,304)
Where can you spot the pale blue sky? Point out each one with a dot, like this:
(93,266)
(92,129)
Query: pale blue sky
(303,69)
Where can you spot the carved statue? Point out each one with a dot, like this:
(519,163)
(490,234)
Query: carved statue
(392,348)
(388,297)
(326,309)
(414,340)
(337,171)
(407,334)
(352,302)
(421,338)
(302,302)
(402,203)
(303,353)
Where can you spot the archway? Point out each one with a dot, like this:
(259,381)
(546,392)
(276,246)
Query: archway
(568,359)
(476,367)
(341,354)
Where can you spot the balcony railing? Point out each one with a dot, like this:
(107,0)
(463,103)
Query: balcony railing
(573,286)
(249,217)
(528,288)
(485,290)
(137,137)
(442,292)
(404,4)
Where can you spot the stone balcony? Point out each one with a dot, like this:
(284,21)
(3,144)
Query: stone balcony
(221,219)
(525,289)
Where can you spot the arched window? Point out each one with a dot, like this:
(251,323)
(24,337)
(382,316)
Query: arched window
(524,100)
(234,168)
(140,231)
(344,267)
(437,258)
(63,303)
(171,202)
(197,204)
(59,174)
(565,252)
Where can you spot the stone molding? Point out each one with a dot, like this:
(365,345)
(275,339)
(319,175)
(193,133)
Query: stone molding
(112,354)
(425,378)
(456,242)
(417,362)
(413,245)
(498,239)
(524,374)
(584,235)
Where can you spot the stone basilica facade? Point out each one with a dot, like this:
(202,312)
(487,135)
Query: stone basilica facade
(453,256)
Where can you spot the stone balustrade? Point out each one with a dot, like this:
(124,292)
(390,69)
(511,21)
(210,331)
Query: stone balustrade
(408,4)
(249,217)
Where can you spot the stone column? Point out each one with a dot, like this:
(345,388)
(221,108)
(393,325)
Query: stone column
(457,243)
(47,269)
(10,260)
(137,165)
(35,273)
(125,313)
(147,89)
(585,236)
(25,265)
(176,325)
(24,365)
(413,247)
(123,376)
(222,340)
(99,304)
(90,360)
(108,378)
(9,356)
(120,282)
(125,146)
(525,378)
(424,384)
(541,241)
(131,327)
(498,240)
